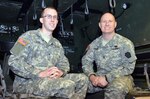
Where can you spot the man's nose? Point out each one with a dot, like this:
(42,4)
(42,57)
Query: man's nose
(107,23)
(52,19)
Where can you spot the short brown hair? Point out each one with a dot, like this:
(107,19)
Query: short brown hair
(48,8)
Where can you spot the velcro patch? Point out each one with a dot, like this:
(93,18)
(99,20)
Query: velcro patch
(22,41)
(128,55)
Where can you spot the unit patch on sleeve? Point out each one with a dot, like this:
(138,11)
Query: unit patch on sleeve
(128,55)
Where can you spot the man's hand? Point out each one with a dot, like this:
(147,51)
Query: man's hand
(52,72)
(102,82)
(94,80)
(98,80)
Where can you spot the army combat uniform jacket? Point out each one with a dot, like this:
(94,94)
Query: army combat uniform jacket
(114,60)
(31,54)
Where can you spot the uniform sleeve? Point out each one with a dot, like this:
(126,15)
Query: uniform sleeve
(63,63)
(128,62)
(17,60)
(87,61)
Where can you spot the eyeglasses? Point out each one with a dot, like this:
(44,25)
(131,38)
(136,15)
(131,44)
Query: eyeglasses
(55,17)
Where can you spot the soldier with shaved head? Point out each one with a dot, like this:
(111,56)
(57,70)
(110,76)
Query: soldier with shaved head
(115,59)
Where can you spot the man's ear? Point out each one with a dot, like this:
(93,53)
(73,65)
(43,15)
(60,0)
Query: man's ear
(99,24)
(41,20)
(115,24)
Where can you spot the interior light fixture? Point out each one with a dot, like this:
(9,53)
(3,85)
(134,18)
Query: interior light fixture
(125,5)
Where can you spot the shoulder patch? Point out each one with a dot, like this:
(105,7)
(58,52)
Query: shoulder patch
(22,41)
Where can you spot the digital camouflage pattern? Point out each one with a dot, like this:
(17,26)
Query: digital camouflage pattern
(116,60)
(31,54)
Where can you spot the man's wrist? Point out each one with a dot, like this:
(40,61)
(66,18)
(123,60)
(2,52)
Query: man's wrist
(106,78)
(63,73)
(92,76)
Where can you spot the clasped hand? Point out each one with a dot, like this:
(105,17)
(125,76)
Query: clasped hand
(51,73)
(98,80)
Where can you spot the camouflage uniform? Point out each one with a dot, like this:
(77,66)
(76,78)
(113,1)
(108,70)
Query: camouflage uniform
(116,61)
(31,54)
